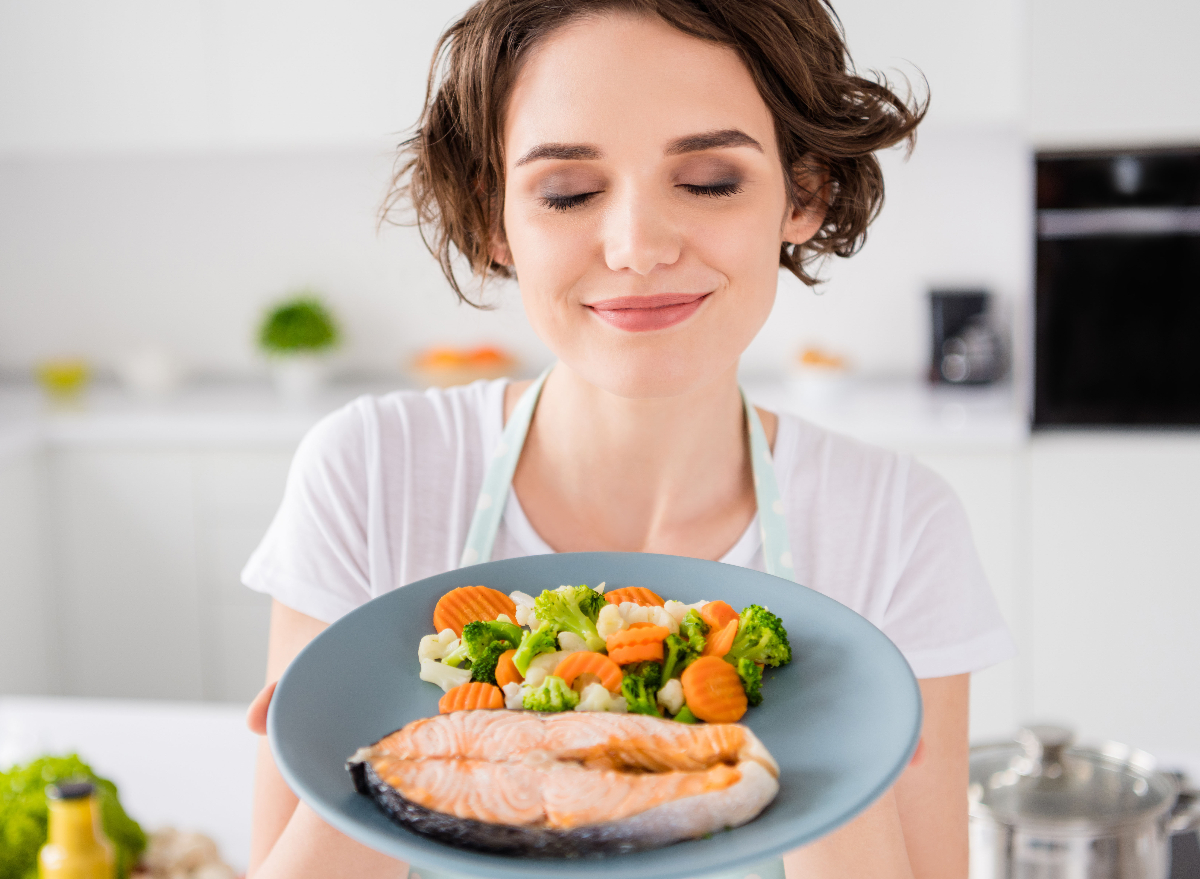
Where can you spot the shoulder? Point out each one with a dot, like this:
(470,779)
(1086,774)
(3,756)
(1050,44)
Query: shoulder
(806,453)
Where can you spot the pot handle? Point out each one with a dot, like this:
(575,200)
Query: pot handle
(1185,817)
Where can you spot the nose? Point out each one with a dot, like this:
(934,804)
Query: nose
(639,234)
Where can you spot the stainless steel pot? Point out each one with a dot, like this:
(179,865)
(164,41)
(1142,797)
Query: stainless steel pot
(1042,807)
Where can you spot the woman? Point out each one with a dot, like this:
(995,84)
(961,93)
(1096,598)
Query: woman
(643,168)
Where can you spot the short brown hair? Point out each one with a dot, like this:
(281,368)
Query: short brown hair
(826,116)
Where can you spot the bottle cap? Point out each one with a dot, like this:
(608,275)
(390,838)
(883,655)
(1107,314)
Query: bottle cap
(74,790)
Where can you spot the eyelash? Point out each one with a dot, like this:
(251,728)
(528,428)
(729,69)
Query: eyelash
(566,202)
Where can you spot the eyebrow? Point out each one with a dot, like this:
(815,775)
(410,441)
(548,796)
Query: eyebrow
(692,143)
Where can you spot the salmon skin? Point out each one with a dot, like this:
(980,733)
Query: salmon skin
(575,784)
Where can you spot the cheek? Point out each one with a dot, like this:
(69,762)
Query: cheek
(549,254)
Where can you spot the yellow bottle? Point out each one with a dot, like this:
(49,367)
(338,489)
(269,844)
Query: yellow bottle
(77,848)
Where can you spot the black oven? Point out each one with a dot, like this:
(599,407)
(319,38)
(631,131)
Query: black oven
(1117,293)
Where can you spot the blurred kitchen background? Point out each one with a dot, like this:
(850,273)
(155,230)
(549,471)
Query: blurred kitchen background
(169,171)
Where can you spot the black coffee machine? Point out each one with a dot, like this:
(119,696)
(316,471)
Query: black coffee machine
(967,350)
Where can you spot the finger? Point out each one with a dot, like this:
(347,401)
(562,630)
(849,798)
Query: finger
(256,717)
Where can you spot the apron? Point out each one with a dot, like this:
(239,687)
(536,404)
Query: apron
(489,511)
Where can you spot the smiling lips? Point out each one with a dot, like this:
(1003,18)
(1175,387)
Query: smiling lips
(637,314)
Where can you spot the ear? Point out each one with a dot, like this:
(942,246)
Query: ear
(498,249)
(803,221)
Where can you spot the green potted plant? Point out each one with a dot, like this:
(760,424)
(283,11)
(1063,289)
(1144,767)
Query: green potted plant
(298,335)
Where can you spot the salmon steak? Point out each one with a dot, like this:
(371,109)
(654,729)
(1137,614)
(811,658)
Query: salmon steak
(566,785)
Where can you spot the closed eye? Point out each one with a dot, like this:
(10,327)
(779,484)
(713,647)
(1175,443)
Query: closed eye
(566,202)
(715,190)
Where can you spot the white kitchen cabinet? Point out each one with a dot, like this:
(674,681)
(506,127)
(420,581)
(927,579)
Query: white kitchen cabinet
(237,494)
(148,547)
(123,562)
(988,482)
(27,658)
(1114,537)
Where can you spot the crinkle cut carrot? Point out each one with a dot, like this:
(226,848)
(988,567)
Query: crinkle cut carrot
(637,594)
(637,653)
(720,641)
(472,696)
(640,642)
(506,669)
(713,690)
(638,633)
(717,614)
(585,661)
(466,604)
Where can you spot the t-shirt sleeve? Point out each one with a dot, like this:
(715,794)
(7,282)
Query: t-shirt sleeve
(941,614)
(314,556)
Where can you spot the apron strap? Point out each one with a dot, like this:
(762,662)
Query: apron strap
(489,508)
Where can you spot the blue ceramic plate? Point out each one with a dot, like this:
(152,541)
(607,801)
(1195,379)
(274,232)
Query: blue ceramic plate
(842,718)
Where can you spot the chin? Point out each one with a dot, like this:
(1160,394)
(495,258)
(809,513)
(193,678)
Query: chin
(647,374)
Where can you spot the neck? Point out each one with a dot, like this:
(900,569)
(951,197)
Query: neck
(668,474)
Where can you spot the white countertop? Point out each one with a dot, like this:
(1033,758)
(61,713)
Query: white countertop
(900,414)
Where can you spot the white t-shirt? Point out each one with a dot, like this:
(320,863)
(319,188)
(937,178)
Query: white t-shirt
(381,493)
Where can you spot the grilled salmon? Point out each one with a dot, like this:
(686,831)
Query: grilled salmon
(566,785)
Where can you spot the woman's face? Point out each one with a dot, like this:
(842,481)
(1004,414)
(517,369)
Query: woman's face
(645,204)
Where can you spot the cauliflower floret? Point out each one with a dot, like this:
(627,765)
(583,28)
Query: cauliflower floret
(536,676)
(660,617)
(610,621)
(445,676)
(571,642)
(524,603)
(670,696)
(512,695)
(596,698)
(437,646)
(634,613)
(600,588)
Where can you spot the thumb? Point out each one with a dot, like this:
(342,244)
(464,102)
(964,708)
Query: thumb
(256,717)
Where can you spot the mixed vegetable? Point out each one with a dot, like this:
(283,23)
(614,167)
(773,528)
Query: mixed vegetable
(576,648)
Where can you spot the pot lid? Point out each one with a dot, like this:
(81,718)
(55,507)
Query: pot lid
(1046,779)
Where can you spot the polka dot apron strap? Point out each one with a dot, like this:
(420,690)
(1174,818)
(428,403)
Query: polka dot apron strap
(489,508)
(777,552)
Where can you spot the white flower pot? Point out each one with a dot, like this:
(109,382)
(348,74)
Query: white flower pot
(300,378)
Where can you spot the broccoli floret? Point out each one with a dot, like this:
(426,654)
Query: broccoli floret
(761,638)
(751,674)
(572,609)
(552,695)
(458,655)
(640,685)
(681,653)
(543,639)
(693,629)
(480,647)
(685,716)
(480,635)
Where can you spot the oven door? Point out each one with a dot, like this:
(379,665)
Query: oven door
(1118,317)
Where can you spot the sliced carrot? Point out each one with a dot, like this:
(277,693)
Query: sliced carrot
(713,690)
(506,670)
(583,662)
(717,614)
(469,697)
(638,633)
(720,641)
(466,604)
(637,594)
(637,653)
